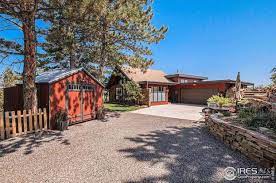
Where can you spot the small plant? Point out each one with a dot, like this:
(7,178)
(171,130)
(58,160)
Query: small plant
(61,120)
(220,101)
(100,113)
(257,117)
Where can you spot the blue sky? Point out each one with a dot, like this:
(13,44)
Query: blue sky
(214,38)
(217,38)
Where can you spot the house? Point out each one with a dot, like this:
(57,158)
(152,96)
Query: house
(160,88)
(74,90)
(154,84)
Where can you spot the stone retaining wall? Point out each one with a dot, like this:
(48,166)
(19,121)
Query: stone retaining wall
(253,144)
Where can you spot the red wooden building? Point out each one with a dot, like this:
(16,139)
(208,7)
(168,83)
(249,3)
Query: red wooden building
(159,88)
(76,91)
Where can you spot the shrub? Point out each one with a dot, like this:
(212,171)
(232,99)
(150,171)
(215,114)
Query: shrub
(133,92)
(61,120)
(257,117)
(220,101)
(100,113)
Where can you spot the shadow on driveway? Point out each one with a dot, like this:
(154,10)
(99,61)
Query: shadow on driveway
(29,142)
(189,154)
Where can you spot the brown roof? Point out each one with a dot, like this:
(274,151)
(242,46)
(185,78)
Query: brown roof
(150,75)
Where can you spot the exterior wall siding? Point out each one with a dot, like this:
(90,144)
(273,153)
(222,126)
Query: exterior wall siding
(58,93)
(13,97)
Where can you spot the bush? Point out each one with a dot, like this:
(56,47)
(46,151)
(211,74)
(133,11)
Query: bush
(220,101)
(257,117)
(61,120)
(100,113)
(133,92)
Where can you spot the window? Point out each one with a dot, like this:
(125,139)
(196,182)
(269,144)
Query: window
(158,94)
(119,93)
(73,87)
(183,81)
(78,87)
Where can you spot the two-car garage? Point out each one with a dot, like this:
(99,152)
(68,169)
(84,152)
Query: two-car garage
(196,95)
(199,92)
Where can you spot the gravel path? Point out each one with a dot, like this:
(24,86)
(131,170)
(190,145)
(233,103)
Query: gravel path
(127,148)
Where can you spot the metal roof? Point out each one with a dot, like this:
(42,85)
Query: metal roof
(55,75)
(186,76)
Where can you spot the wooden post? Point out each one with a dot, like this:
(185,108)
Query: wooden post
(35,120)
(2,130)
(40,118)
(25,122)
(13,124)
(19,122)
(45,118)
(7,120)
(30,120)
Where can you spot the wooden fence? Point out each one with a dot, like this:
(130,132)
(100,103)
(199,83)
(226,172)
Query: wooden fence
(13,124)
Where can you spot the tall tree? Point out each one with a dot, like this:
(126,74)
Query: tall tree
(125,32)
(103,33)
(21,14)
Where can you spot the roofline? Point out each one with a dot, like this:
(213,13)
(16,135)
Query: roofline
(156,82)
(186,76)
(143,82)
(219,81)
(75,71)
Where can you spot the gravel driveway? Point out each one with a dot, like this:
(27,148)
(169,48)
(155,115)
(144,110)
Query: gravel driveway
(127,148)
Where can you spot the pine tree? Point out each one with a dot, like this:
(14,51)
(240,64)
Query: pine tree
(21,15)
(99,34)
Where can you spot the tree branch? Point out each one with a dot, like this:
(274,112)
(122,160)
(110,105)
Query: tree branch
(11,21)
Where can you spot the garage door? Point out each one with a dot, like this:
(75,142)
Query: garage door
(80,102)
(196,96)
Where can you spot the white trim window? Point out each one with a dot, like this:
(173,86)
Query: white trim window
(119,93)
(183,81)
(158,94)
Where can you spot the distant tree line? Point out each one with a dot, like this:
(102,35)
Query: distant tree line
(95,34)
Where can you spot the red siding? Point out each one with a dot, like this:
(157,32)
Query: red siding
(58,93)
(220,86)
(13,97)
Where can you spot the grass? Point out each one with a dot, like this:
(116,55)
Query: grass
(121,107)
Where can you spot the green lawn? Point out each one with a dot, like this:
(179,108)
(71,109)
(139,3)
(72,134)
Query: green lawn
(121,107)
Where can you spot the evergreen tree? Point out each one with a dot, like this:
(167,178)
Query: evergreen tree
(102,33)
(21,15)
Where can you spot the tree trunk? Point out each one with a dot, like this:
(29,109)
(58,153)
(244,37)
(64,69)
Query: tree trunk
(29,70)
(102,59)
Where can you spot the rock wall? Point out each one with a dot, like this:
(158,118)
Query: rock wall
(253,144)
